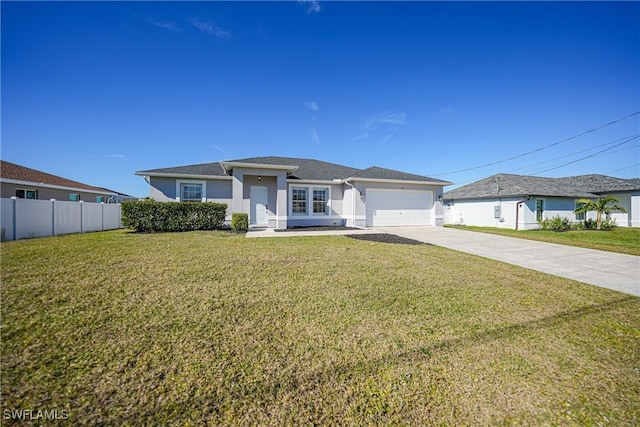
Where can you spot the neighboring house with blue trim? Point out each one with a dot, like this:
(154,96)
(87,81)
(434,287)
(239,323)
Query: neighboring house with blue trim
(282,192)
(519,201)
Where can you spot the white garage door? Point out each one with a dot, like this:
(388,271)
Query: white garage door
(399,207)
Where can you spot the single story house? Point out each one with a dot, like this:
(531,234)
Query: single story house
(26,183)
(285,192)
(520,201)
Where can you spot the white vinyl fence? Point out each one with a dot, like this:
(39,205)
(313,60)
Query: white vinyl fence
(25,218)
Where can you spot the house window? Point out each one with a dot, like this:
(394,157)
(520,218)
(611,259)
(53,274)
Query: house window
(26,194)
(99,199)
(191,192)
(539,209)
(320,199)
(582,215)
(74,197)
(298,201)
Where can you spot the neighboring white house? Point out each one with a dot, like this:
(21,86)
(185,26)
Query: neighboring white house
(520,201)
(281,192)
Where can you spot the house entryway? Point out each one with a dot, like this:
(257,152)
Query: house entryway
(259,196)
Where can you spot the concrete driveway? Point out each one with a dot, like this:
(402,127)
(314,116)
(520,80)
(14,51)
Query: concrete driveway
(610,270)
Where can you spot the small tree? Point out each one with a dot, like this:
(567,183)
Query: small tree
(603,205)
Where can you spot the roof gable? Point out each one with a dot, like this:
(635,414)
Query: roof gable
(308,169)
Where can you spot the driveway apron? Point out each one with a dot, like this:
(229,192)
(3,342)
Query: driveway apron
(610,270)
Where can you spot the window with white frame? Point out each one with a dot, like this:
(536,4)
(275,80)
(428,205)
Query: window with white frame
(539,209)
(320,201)
(190,192)
(26,194)
(309,200)
(299,201)
(582,215)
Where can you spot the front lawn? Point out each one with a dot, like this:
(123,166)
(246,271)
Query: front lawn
(211,327)
(621,239)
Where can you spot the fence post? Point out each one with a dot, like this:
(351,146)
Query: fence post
(81,217)
(102,210)
(14,225)
(53,217)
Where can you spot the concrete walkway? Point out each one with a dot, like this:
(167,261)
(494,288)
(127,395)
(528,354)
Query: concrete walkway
(610,270)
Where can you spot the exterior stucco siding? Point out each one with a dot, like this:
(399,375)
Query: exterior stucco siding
(45,193)
(164,189)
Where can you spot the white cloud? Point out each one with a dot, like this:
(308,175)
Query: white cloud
(210,28)
(313,6)
(382,126)
(222,150)
(388,119)
(311,105)
(314,136)
(115,156)
(166,25)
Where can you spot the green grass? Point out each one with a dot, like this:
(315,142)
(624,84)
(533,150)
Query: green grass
(622,240)
(211,327)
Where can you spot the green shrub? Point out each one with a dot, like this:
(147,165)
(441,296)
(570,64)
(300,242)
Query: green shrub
(609,223)
(578,226)
(151,216)
(557,223)
(239,222)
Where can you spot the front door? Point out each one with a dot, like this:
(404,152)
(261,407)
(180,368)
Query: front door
(259,196)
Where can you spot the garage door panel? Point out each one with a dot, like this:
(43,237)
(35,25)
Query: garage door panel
(399,207)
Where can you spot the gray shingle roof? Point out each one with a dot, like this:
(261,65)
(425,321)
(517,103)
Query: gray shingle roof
(601,183)
(375,172)
(307,169)
(214,169)
(507,185)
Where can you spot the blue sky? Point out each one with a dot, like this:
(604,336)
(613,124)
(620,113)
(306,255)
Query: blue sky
(96,91)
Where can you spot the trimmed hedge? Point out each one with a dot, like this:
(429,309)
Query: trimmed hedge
(239,222)
(151,216)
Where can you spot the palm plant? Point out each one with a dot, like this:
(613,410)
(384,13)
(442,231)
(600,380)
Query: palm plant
(602,205)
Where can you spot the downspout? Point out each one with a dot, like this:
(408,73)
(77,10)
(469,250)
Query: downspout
(527,198)
(353,201)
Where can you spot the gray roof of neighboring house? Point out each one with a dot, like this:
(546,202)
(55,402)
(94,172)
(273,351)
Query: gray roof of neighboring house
(507,185)
(307,169)
(602,183)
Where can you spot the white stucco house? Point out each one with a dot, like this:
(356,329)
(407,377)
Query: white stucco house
(285,192)
(519,201)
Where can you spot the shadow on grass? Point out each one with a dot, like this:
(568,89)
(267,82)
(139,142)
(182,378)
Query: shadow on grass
(423,353)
